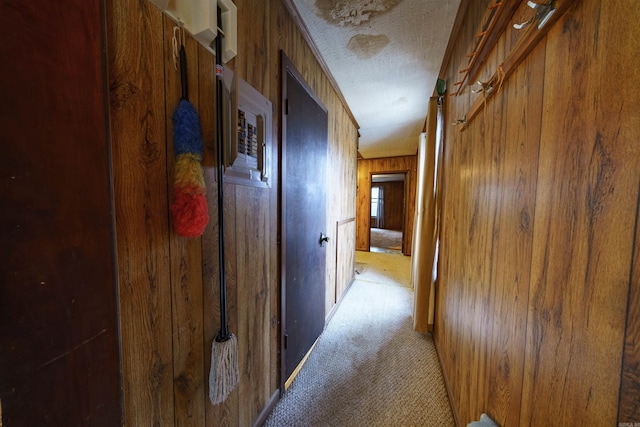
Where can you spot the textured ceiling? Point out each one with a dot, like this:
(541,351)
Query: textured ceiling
(385,56)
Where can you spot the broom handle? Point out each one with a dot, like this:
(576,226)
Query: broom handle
(183,73)
(224,333)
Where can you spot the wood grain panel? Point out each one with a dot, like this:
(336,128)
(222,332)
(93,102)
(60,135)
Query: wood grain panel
(255,60)
(169,286)
(231,410)
(345,236)
(341,196)
(456,294)
(393,204)
(271,91)
(583,227)
(252,238)
(139,147)
(209,240)
(447,300)
(482,194)
(629,406)
(186,257)
(621,14)
(470,176)
(512,240)
(539,202)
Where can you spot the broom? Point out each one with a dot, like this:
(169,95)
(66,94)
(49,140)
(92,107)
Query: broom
(223,376)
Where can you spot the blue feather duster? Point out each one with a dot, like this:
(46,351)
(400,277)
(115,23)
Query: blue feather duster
(187,136)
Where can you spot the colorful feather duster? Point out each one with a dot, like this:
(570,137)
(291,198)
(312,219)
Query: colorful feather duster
(189,210)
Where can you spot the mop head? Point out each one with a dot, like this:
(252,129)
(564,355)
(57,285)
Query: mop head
(223,376)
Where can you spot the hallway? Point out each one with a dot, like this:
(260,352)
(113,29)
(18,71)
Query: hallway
(369,367)
(530,190)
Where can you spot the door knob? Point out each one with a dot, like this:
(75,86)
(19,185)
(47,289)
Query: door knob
(323,239)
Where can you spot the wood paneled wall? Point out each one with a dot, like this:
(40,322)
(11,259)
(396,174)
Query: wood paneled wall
(342,170)
(367,167)
(629,406)
(168,286)
(394,193)
(538,267)
(345,258)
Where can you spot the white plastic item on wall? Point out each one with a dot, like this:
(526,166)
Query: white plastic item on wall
(230,27)
(199,18)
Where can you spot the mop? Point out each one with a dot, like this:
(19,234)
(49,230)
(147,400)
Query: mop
(223,376)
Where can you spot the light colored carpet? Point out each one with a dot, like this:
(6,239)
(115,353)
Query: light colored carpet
(390,269)
(369,368)
(387,239)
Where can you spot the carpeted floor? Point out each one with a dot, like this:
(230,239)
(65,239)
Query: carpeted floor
(386,239)
(389,269)
(369,368)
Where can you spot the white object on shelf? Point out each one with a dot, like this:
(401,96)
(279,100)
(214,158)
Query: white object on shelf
(230,27)
(199,18)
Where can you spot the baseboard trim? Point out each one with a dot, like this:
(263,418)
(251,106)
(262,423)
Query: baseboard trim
(296,371)
(264,414)
(456,418)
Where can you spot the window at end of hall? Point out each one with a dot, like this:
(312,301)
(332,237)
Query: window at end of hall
(375,196)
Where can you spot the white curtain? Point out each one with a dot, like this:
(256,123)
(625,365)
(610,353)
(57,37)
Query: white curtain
(380,207)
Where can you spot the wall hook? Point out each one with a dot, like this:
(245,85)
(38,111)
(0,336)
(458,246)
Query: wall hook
(485,87)
(523,24)
(543,13)
(176,41)
(462,121)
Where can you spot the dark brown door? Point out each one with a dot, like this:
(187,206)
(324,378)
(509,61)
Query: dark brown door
(58,327)
(303,217)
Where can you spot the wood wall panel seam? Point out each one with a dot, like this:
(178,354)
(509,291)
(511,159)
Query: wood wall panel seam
(147,393)
(628,408)
(453,38)
(185,255)
(345,221)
